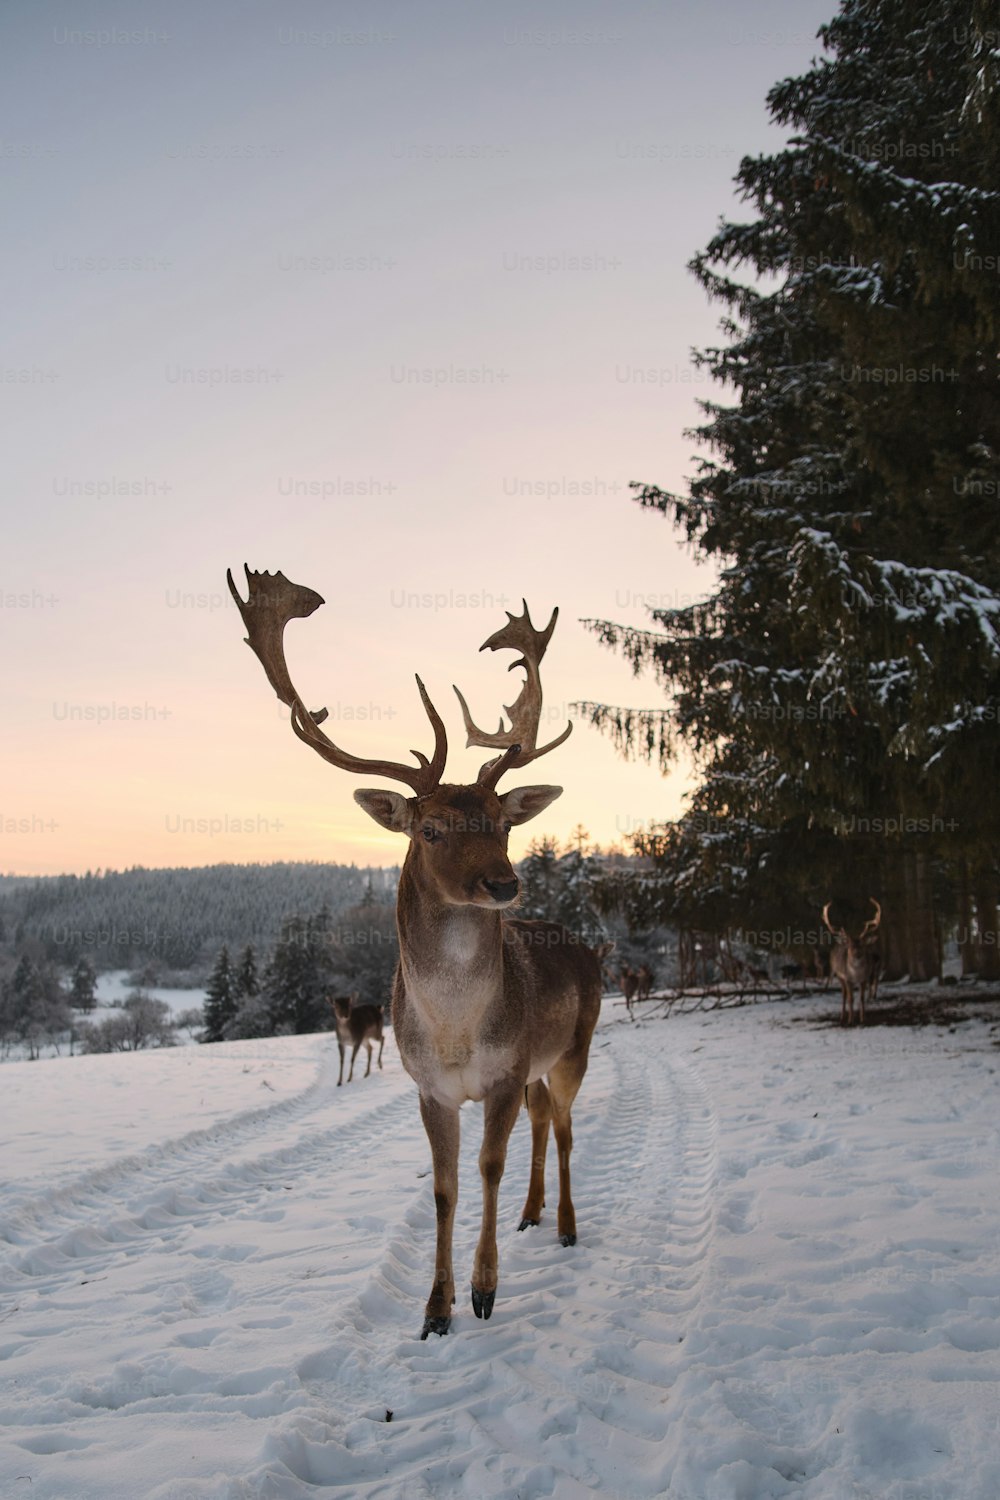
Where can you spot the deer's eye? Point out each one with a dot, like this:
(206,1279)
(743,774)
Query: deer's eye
(430,833)
(505,825)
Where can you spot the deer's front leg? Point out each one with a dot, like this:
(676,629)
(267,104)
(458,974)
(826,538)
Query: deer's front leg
(442,1127)
(500,1111)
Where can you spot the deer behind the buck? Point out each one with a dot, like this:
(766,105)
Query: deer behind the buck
(483,1007)
(855,961)
(357,1026)
(630,985)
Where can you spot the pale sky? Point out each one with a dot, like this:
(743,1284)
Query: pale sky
(448,243)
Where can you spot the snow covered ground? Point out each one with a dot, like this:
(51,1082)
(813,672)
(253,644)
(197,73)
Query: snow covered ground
(213,1264)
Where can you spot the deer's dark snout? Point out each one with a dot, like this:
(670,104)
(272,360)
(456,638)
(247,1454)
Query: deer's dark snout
(502,890)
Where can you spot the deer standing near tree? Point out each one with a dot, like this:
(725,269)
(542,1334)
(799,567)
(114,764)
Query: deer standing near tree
(630,984)
(855,961)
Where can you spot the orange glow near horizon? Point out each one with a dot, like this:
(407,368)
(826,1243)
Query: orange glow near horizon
(412,355)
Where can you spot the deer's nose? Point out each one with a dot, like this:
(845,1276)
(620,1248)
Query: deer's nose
(502,890)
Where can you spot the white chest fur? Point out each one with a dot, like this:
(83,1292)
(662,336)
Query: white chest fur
(455,1073)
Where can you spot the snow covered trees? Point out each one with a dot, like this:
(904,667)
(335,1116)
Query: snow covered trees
(556,885)
(312,960)
(840,687)
(33,1008)
(140,1022)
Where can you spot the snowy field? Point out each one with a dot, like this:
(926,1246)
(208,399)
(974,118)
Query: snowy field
(213,1265)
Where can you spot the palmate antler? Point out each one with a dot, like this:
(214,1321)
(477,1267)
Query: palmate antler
(273,601)
(519,740)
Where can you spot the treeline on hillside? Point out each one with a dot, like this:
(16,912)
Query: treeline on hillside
(839,688)
(287,990)
(355,954)
(284,985)
(173,919)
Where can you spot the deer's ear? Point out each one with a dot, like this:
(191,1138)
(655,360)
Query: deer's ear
(526,802)
(391,809)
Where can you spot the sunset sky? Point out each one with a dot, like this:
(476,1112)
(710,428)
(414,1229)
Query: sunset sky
(391,297)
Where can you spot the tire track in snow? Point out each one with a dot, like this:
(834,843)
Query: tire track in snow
(84,1224)
(583,1336)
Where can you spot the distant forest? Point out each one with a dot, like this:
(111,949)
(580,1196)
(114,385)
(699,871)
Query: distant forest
(177,919)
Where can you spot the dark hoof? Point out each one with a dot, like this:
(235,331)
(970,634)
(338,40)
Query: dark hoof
(436,1325)
(567,1239)
(482,1303)
(527,1224)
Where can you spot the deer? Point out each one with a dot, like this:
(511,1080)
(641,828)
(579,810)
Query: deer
(855,961)
(821,966)
(356,1026)
(630,985)
(484,1006)
(644,985)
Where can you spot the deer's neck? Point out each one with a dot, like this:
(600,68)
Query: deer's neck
(451,956)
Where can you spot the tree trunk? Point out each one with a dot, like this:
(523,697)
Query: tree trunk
(967,947)
(895,962)
(986,923)
(924,955)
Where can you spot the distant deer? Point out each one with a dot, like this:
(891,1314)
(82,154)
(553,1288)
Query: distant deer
(630,985)
(645,982)
(483,1007)
(855,961)
(357,1026)
(821,965)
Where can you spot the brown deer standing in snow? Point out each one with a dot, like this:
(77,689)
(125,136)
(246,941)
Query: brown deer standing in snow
(630,985)
(482,1008)
(855,961)
(357,1026)
(644,977)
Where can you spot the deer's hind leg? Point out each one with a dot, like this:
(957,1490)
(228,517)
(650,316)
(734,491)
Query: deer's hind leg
(540,1110)
(564,1083)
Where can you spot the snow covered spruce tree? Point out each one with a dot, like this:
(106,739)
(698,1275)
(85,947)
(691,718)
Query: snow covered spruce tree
(840,687)
(221,998)
(83,989)
(247,978)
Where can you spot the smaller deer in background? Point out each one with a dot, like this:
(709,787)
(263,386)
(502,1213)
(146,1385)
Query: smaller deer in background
(630,985)
(357,1025)
(644,985)
(855,961)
